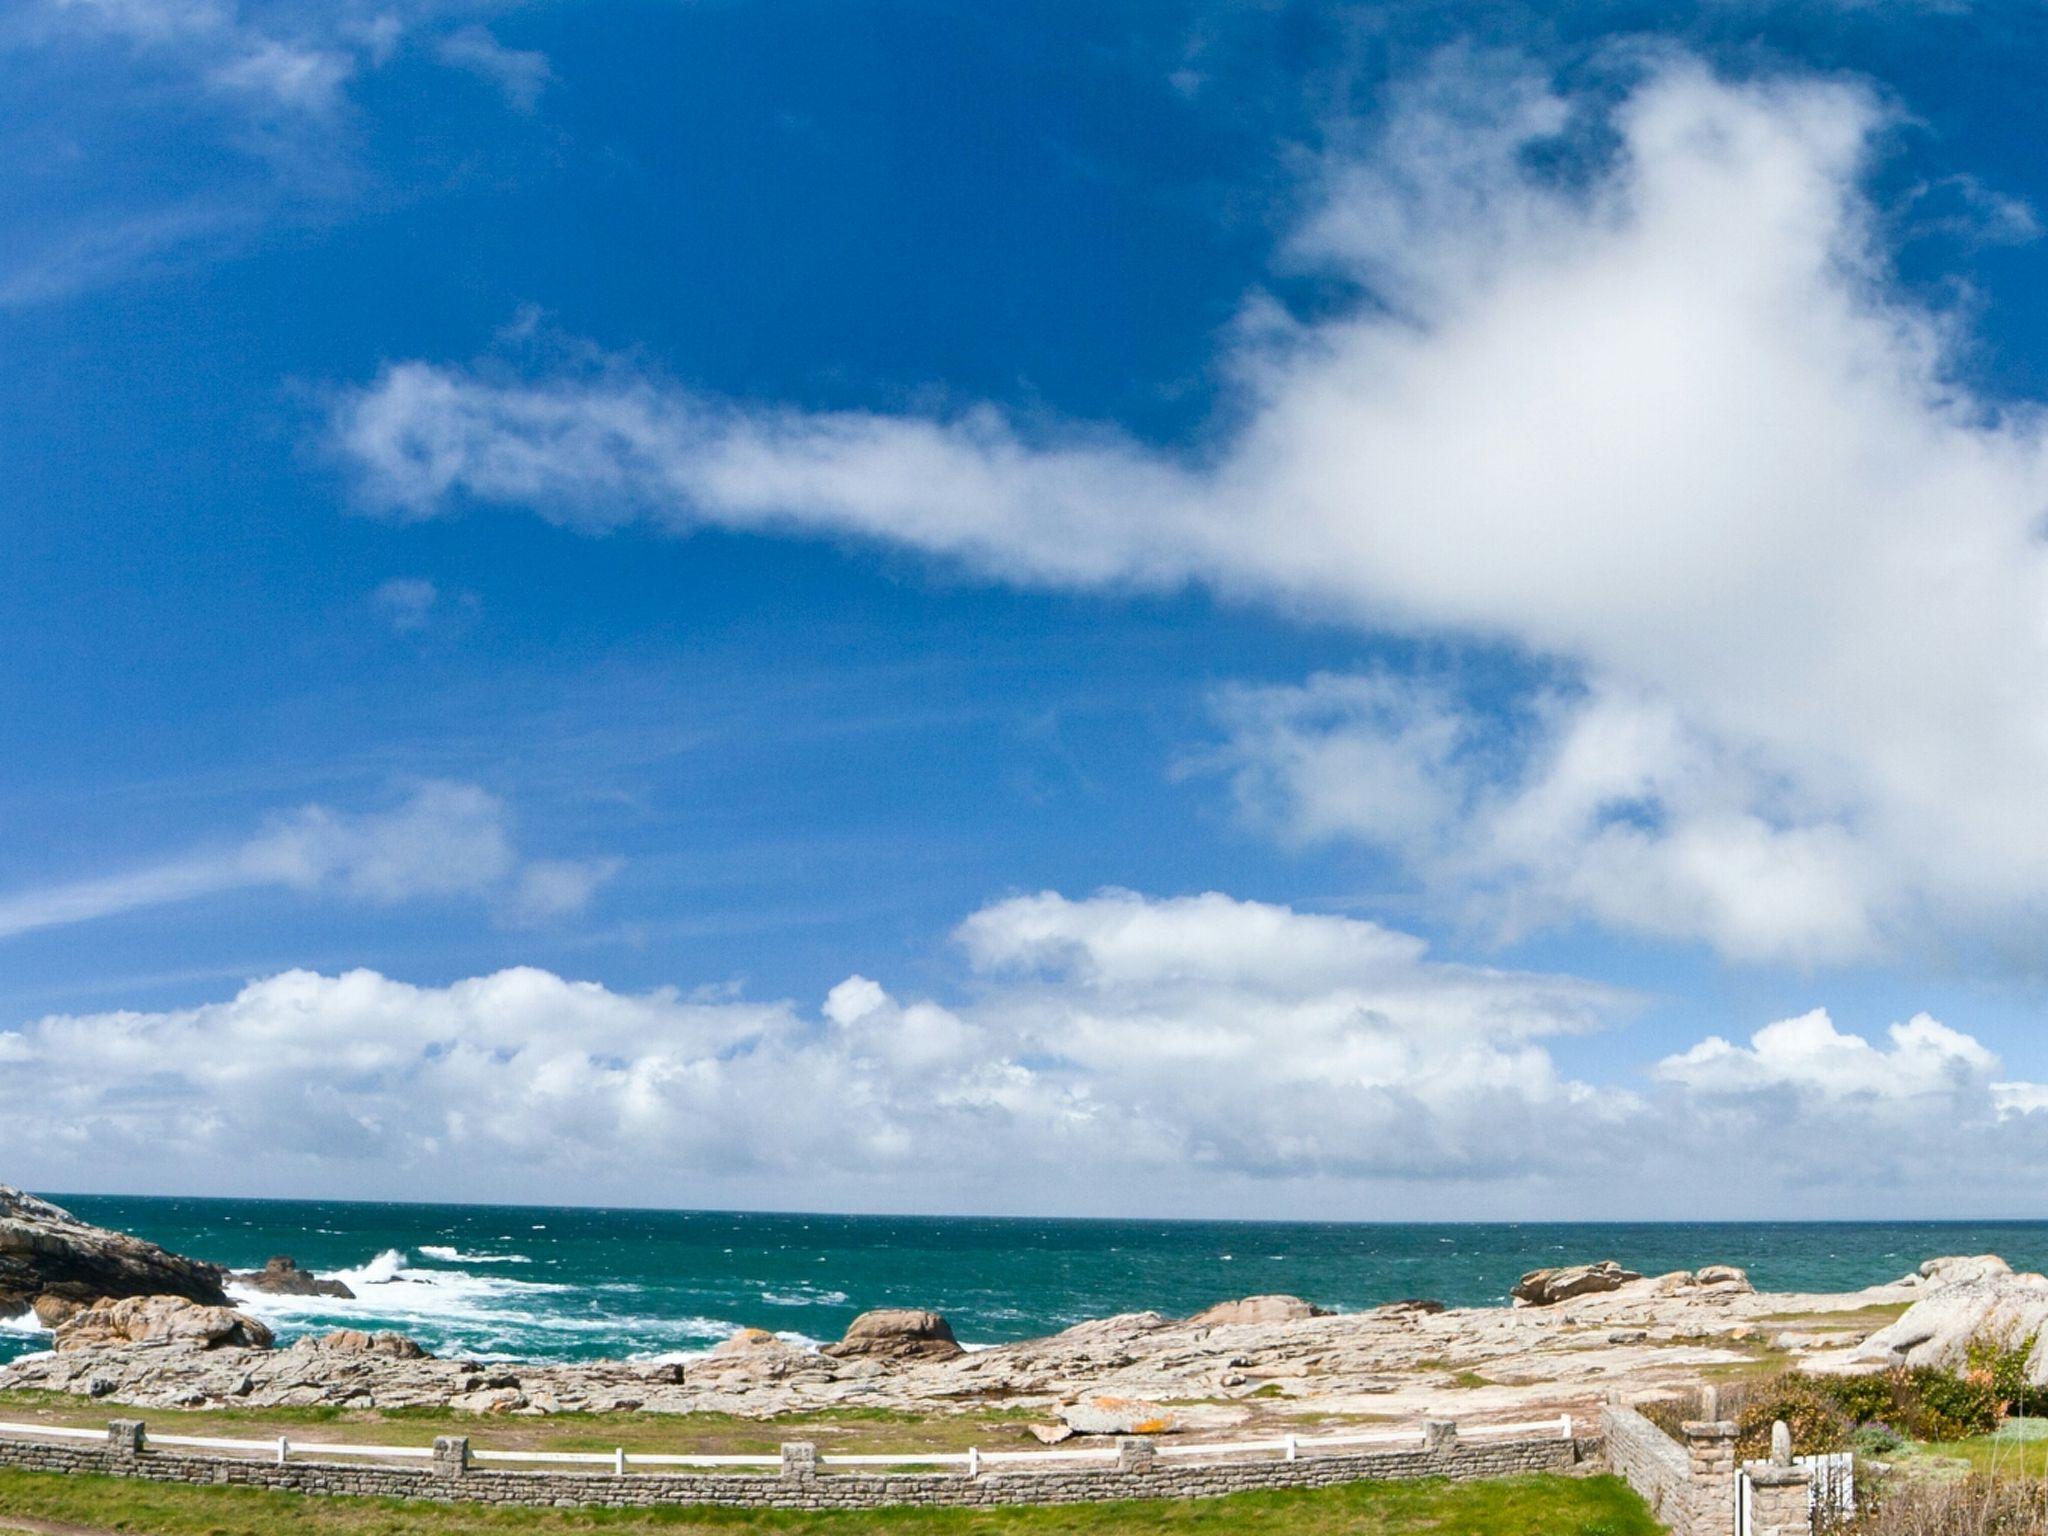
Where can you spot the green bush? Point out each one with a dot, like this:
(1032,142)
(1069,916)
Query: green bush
(1863,1398)
(1945,1407)
(1805,1403)
(1876,1438)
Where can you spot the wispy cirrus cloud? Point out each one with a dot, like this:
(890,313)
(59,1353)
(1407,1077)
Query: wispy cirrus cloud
(520,74)
(1660,423)
(442,840)
(162,130)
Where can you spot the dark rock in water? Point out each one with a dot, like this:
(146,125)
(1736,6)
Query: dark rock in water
(283,1277)
(897,1333)
(46,1252)
(1421,1305)
(1546,1287)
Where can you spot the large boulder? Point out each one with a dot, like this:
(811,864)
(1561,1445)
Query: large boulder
(162,1321)
(1107,1414)
(1955,1269)
(1999,1307)
(1259,1309)
(1547,1287)
(354,1341)
(897,1333)
(281,1276)
(45,1251)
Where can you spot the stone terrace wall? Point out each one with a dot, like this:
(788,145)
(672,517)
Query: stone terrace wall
(1139,1474)
(1653,1463)
(1690,1484)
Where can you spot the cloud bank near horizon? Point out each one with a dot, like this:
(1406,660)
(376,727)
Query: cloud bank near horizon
(1114,1054)
(1665,427)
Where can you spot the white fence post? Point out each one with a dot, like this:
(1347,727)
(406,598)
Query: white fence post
(619,1461)
(1564,1426)
(1293,1448)
(284,1449)
(974,1461)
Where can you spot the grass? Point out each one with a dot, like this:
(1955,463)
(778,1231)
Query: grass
(2002,1454)
(839,1429)
(1523,1506)
(1870,1318)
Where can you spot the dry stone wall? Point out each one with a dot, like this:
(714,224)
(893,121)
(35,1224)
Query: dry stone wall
(1690,1484)
(1140,1473)
(1651,1462)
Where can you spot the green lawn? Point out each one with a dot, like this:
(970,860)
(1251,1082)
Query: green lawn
(834,1429)
(1526,1506)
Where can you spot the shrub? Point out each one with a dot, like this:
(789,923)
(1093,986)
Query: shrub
(1939,1406)
(1973,1506)
(1875,1438)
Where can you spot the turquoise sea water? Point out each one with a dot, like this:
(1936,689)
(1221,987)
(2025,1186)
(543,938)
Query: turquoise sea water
(546,1283)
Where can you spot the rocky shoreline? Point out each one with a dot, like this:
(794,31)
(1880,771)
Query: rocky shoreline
(1573,1335)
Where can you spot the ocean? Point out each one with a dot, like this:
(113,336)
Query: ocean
(544,1283)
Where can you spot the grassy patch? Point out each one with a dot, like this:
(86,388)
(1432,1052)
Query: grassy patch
(713,1434)
(1870,1318)
(1525,1506)
(1471,1379)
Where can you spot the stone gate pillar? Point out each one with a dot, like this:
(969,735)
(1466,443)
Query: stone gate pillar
(1710,1448)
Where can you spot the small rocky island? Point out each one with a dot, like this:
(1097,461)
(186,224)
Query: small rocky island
(135,1324)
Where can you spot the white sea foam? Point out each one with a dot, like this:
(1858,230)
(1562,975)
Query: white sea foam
(441,1255)
(28,1322)
(480,1316)
(804,1298)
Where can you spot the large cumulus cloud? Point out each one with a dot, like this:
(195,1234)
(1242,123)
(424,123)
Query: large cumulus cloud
(1114,1054)
(1628,388)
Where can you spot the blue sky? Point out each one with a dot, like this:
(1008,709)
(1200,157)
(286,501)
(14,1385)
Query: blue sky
(731,498)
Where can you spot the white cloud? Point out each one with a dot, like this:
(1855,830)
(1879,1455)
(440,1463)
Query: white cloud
(548,889)
(519,74)
(1596,802)
(442,840)
(406,602)
(1809,1055)
(1172,1041)
(1666,429)
(299,69)
(1115,1053)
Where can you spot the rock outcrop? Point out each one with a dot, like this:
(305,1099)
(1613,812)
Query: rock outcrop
(168,1322)
(1957,1268)
(1258,1309)
(354,1341)
(45,1251)
(1105,1414)
(1547,1287)
(1990,1304)
(897,1333)
(282,1276)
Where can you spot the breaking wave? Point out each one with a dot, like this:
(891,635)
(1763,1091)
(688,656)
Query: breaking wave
(804,1298)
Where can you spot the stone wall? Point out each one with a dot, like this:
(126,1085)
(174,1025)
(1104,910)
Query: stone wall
(1140,1473)
(1653,1464)
(1690,1483)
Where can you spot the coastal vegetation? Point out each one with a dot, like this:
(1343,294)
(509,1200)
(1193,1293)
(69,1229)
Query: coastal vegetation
(1876,1412)
(1522,1506)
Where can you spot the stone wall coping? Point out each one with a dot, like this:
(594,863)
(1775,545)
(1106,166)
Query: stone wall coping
(1710,1429)
(1768,1475)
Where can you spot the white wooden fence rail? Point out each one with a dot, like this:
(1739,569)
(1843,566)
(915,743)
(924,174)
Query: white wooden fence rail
(1289,1447)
